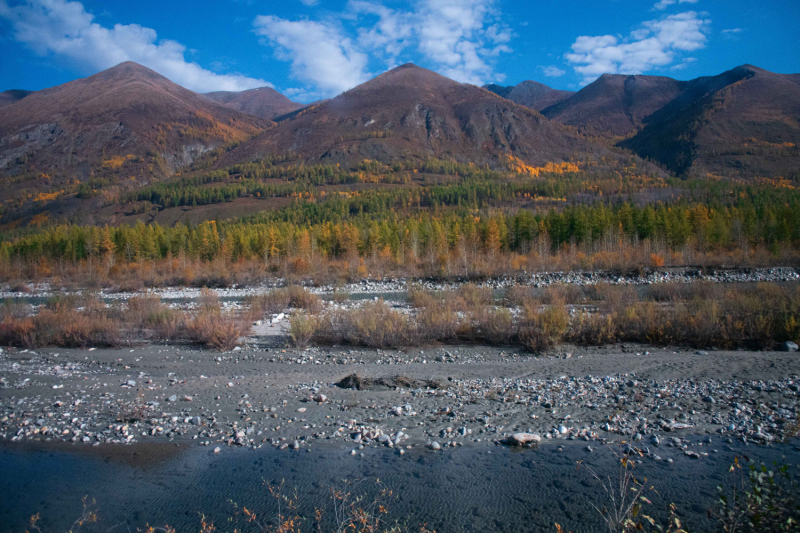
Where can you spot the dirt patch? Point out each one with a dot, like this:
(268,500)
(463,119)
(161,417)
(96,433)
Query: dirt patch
(356,382)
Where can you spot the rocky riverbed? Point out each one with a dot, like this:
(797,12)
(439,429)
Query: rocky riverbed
(371,286)
(434,399)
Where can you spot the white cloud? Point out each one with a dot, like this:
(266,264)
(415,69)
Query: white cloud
(655,44)
(319,54)
(310,2)
(388,36)
(553,71)
(732,33)
(683,64)
(664,4)
(64,28)
(459,38)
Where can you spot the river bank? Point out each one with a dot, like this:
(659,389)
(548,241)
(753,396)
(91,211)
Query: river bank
(453,396)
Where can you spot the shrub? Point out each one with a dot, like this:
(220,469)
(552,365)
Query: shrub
(759,499)
(340,296)
(542,329)
(474,297)
(145,310)
(594,329)
(438,322)
(278,300)
(216,330)
(378,326)
(496,326)
(63,328)
(302,329)
(80,331)
(268,303)
(208,301)
(18,332)
(303,299)
(417,297)
(11,309)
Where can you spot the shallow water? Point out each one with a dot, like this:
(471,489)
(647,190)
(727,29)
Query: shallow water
(464,489)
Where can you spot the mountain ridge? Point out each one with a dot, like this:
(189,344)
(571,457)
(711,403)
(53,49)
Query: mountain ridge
(429,116)
(262,102)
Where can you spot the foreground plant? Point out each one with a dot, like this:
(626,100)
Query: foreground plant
(758,500)
(626,498)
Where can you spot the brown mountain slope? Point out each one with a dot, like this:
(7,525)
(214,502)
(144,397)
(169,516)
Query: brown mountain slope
(745,121)
(12,95)
(614,104)
(531,94)
(264,102)
(125,110)
(413,112)
(537,95)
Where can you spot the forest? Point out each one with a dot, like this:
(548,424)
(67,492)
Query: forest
(437,210)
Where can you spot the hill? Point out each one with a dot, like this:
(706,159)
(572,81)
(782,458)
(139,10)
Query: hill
(264,102)
(127,110)
(615,105)
(745,121)
(411,112)
(12,95)
(531,94)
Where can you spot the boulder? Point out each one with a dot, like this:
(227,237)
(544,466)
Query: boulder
(524,439)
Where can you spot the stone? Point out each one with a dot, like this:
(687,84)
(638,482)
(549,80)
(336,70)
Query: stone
(217,449)
(320,398)
(436,446)
(196,421)
(524,439)
(787,346)
(172,398)
(130,383)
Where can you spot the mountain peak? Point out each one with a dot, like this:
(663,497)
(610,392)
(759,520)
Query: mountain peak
(262,102)
(129,69)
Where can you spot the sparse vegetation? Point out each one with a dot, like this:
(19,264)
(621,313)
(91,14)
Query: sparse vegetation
(708,315)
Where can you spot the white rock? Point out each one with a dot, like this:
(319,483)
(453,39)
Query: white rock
(524,439)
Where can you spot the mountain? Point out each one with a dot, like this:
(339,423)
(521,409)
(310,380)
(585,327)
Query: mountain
(500,90)
(615,104)
(127,112)
(264,102)
(11,96)
(531,94)
(744,121)
(411,112)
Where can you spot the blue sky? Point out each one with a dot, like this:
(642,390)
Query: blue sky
(310,49)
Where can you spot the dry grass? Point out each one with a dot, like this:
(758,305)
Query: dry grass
(438,322)
(302,329)
(220,331)
(541,329)
(375,325)
(725,316)
(60,328)
(496,326)
(279,300)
